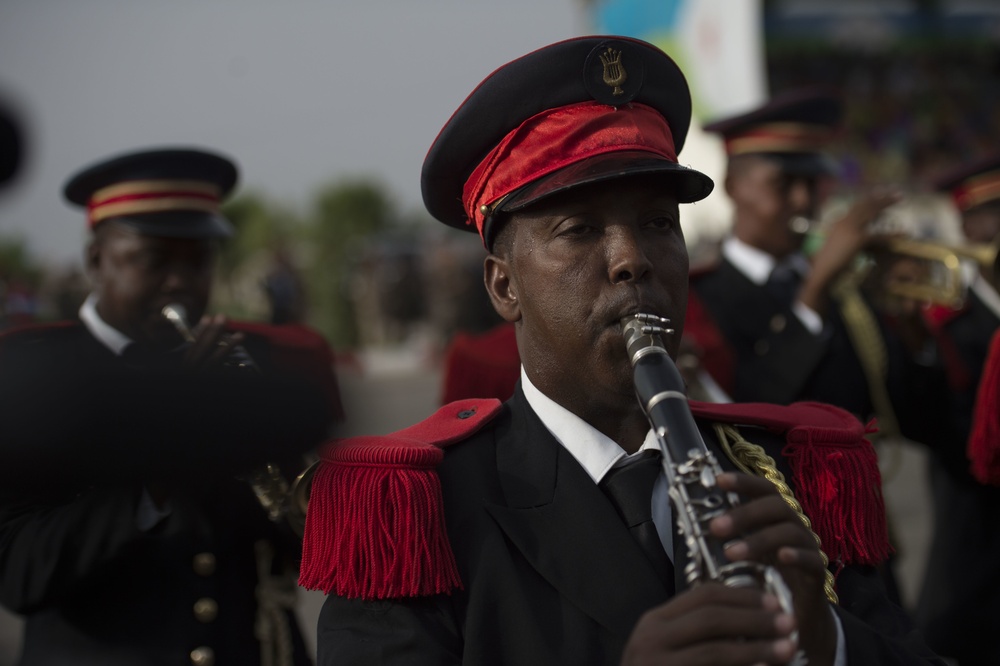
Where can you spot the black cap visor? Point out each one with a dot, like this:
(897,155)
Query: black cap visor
(809,165)
(177,224)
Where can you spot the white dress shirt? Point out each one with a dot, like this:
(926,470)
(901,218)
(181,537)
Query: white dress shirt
(106,334)
(597,454)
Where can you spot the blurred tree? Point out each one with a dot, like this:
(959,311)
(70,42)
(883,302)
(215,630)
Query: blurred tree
(261,226)
(20,275)
(344,215)
(16,260)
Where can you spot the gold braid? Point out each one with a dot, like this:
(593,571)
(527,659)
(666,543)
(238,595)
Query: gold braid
(753,459)
(869,345)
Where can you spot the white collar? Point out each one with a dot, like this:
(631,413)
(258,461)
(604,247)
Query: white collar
(106,334)
(596,452)
(756,264)
(986,293)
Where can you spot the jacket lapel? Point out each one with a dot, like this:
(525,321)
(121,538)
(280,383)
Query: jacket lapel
(567,529)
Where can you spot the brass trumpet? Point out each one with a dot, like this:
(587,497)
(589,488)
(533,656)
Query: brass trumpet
(273,493)
(942,282)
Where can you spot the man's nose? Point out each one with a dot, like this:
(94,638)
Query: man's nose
(802,195)
(627,258)
(179,276)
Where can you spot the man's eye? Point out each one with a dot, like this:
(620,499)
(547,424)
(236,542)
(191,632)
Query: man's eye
(576,230)
(148,259)
(661,223)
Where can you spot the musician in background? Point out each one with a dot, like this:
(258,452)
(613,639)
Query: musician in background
(776,326)
(525,555)
(129,533)
(961,590)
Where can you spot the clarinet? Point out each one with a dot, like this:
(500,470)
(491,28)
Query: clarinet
(691,469)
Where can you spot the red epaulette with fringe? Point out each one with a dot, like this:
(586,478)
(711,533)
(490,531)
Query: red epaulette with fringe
(837,480)
(375,525)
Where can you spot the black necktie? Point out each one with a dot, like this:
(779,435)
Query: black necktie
(630,489)
(783,283)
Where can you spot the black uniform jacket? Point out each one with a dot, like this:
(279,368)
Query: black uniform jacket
(551,575)
(775,359)
(83,437)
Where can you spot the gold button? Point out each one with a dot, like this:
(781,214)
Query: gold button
(761,347)
(206,610)
(204,564)
(203,656)
(778,323)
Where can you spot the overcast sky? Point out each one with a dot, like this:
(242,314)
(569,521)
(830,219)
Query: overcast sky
(298,92)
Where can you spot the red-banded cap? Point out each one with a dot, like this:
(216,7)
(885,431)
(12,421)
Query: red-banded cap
(174,192)
(576,112)
(974,184)
(794,128)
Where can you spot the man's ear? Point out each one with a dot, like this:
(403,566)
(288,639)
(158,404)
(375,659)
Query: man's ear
(730,182)
(92,259)
(500,287)
(92,255)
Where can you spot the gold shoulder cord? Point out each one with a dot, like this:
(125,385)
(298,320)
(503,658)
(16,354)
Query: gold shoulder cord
(863,331)
(753,459)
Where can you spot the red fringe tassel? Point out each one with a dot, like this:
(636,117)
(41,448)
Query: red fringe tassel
(839,486)
(375,528)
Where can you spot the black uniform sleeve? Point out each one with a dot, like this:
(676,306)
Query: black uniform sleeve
(48,548)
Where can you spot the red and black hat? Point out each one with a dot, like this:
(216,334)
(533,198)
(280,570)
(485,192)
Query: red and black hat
(974,184)
(579,111)
(172,192)
(793,128)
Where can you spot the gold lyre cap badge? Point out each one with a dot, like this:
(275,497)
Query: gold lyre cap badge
(614,73)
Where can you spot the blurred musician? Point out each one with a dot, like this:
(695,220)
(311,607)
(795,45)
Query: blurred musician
(774,326)
(126,536)
(957,606)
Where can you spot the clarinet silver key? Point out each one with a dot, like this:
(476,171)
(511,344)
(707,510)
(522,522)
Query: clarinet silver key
(690,468)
